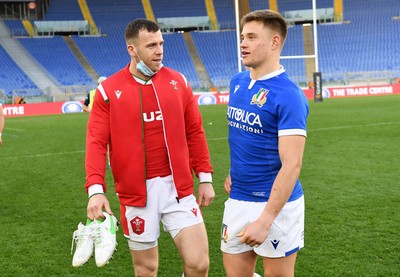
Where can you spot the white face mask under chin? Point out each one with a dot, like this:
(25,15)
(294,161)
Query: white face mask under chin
(142,67)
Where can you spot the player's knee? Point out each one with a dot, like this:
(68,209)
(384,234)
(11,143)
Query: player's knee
(199,265)
(146,270)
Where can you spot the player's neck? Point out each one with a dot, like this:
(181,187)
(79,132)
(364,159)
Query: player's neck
(265,69)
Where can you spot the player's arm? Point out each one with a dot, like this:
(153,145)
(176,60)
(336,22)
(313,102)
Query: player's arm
(97,139)
(198,150)
(291,150)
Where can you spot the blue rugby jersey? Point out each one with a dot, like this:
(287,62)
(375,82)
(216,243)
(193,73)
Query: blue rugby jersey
(258,112)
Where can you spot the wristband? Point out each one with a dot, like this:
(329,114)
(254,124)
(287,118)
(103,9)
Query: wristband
(95,194)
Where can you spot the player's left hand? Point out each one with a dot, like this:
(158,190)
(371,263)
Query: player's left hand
(228,184)
(253,234)
(206,194)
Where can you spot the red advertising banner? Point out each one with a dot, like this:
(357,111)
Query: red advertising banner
(207,98)
(42,108)
(353,91)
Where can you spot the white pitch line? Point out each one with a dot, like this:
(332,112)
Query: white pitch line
(42,155)
(14,129)
(210,139)
(353,126)
(334,128)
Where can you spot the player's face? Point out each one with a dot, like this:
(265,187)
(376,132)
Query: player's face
(256,44)
(149,49)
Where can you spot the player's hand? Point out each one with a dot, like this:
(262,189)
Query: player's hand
(95,206)
(228,184)
(206,194)
(253,234)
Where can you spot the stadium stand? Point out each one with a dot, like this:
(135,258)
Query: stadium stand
(113,16)
(225,14)
(54,55)
(181,8)
(16,27)
(367,42)
(63,10)
(11,76)
(177,57)
(364,45)
(218,53)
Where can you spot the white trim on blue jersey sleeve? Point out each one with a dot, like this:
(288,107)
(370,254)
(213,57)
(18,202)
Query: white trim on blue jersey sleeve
(292,132)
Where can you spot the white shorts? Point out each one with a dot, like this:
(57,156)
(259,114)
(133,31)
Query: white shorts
(142,224)
(285,236)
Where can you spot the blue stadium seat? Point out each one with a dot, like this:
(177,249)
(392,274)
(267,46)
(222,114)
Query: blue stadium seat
(368,42)
(16,27)
(113,16)
(55,56)
(63,10)
(179,8)
(11,75)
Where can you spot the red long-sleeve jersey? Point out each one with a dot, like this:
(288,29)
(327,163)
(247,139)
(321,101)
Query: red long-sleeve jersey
(117,120)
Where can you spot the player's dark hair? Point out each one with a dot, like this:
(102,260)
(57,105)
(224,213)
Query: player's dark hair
(133,28)
(270,19)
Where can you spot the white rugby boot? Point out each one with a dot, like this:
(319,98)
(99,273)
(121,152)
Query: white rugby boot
(84,244)
(104,238)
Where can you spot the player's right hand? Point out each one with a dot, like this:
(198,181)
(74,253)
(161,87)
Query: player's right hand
(95,207)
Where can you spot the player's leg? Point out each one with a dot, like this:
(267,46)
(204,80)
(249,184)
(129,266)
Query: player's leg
(240,265)
(184,221)
(141,227)
(280,267)
(145,262)
(239,258)
(192,244)
(285,239)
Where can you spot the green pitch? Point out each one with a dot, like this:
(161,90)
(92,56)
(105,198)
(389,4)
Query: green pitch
(350,178)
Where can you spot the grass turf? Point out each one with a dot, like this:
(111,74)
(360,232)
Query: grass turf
(350,179)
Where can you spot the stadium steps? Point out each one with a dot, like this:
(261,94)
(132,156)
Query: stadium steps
(81,58)
(88,16)
(21,57)
(148,10)
(28,27)
(198,63)
(212,14)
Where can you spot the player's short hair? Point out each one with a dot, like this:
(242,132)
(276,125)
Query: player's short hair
(270,19)
(134,27)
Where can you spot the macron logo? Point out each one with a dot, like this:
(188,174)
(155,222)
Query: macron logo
(236,88)
(275,243)
(118,93)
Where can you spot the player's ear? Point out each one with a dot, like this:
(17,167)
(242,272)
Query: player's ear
(275,41)
(131,50)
